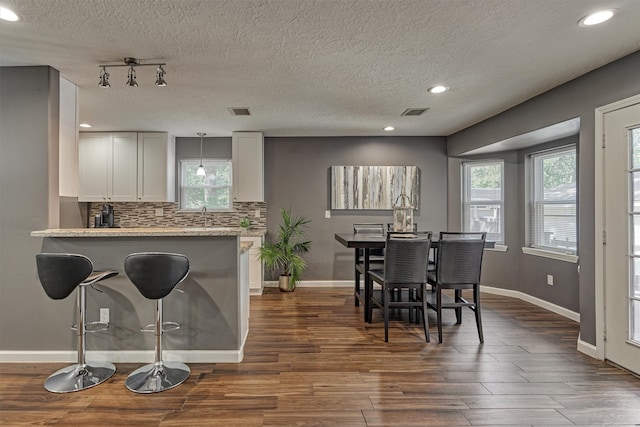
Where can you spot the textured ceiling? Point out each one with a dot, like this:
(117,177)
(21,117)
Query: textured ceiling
(314,68)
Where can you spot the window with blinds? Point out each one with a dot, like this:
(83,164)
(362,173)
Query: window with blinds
(552,212)
(483,198)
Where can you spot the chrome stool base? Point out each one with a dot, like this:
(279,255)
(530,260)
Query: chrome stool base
(156,377)
(79,377)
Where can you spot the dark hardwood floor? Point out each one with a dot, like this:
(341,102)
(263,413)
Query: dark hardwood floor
(311,361)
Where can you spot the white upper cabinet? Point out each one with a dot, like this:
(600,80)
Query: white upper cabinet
(248,166)
(107,164)
(156,168)
(126,167)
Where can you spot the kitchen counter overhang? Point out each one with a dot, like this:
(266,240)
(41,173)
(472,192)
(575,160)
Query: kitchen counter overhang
(148,232)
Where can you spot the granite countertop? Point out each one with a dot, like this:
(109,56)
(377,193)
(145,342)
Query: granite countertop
(148,232)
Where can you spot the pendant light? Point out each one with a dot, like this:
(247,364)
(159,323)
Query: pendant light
(201,171)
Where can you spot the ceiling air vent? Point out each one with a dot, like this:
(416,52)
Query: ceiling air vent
(413,111)
(239,111)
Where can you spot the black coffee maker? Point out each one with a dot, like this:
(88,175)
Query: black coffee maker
(105,218)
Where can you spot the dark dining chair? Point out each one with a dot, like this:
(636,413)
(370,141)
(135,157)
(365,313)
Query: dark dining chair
(376,256)
(458,267)
(405,267)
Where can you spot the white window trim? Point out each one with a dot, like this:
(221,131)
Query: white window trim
(551,254)
(529,194)
(463,194)
(497,248)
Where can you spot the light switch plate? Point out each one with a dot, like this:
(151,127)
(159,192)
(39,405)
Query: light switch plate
(327,214)
(257,213)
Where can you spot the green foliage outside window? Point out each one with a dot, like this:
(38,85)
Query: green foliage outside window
(212,191)
(486,176)
(635,141)
(559,170)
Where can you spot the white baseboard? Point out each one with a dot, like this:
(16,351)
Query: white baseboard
(533,300)
(141,356)
(588,349)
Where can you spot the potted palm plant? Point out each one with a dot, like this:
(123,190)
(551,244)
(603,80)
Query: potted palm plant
(283,255)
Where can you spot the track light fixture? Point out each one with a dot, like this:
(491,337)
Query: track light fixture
(104,78)
(131,75)
(160,72)
(131,78)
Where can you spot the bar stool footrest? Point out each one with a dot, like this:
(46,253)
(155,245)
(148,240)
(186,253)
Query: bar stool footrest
(167,326)
(91,327)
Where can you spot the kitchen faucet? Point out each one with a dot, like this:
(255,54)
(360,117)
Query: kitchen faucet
(204,214)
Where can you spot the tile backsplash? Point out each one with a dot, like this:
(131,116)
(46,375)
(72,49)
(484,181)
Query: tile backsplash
(143,215)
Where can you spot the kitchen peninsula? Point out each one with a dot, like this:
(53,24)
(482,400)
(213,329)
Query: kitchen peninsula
(211,305)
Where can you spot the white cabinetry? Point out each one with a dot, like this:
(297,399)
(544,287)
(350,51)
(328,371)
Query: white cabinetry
(255,266)
(156,168)
(107,167)
(126,167)
(247,161)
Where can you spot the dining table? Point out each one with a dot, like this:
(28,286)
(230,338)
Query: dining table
(366,242)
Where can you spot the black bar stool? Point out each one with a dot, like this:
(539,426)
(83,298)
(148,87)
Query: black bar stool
(155,274)
(59,275)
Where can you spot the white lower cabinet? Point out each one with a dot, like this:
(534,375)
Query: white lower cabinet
(255,266)
(243,310)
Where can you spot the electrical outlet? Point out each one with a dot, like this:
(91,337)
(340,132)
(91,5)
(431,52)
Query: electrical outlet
(159,212)
(257,214)
(549,279)
(327,214)
(104,315)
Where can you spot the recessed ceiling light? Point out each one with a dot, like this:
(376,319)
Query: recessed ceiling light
(438,89)
(389,128)
(596,18)
(7,15)
(85,125)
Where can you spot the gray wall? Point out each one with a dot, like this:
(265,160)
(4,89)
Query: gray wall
(577,98)
(297,177)
(28,130)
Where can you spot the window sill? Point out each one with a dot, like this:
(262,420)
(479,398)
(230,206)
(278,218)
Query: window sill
(497,248)
(550,254)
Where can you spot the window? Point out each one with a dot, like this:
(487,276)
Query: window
(482,198)
(552,212)
(212,191)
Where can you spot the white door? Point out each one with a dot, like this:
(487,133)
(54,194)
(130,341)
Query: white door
(622,224)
